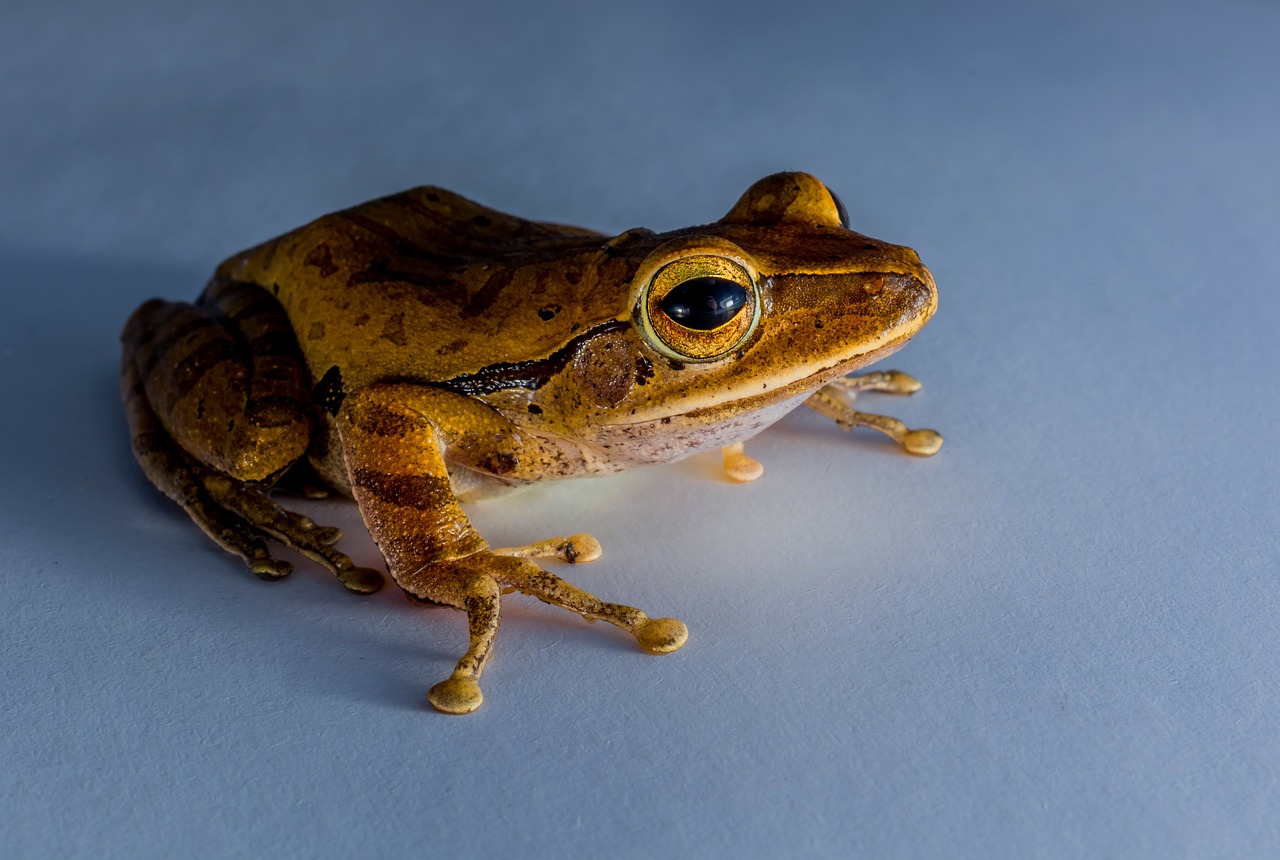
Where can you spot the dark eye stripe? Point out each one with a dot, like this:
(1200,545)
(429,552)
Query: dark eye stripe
(704,303)
(844,213)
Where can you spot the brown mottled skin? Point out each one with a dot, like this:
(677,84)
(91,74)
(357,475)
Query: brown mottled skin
(422,348)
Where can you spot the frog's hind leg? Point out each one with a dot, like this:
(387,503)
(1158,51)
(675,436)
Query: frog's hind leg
(225,379)
(835,401)
(175,476)
(214,396)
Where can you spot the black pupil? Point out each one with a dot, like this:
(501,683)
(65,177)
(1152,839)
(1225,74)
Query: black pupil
(704,303)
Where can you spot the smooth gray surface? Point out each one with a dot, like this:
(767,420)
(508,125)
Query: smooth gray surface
(1056,638)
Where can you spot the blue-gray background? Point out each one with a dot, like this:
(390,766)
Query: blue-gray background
(1056,638)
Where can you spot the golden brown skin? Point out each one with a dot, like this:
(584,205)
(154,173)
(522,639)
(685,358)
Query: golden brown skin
(420,349)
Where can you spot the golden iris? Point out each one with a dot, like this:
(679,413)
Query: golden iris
(701,307)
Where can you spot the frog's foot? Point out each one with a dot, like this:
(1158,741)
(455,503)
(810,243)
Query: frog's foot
(575,549)
(293,530)
(654,635)
(836,402)
(475,583)
(738,466)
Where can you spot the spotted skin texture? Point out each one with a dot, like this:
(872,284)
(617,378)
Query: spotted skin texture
(420,350)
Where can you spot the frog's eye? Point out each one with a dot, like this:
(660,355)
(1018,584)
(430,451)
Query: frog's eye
(700,307)
(843,212)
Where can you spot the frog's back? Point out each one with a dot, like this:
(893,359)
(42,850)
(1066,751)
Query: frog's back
(422,284)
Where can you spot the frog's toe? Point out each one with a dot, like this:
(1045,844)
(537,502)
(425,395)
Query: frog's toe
(662,635)
(885,381)
(575,549)
(361,580)
(897,382)
(456,696)
(580,549)
(923,442)
(270,569)
(325,535)
(297,532)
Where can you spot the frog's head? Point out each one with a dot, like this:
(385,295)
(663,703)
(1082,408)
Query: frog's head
(772,301)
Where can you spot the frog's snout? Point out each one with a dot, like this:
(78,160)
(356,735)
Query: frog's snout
(900,300)
(926,277)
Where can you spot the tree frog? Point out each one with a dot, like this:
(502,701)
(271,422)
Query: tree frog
(422,350)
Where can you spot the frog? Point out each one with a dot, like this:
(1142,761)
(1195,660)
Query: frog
(420,351)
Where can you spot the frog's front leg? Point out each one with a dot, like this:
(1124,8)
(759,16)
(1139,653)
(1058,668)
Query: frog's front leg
(835,401)
(394,437)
